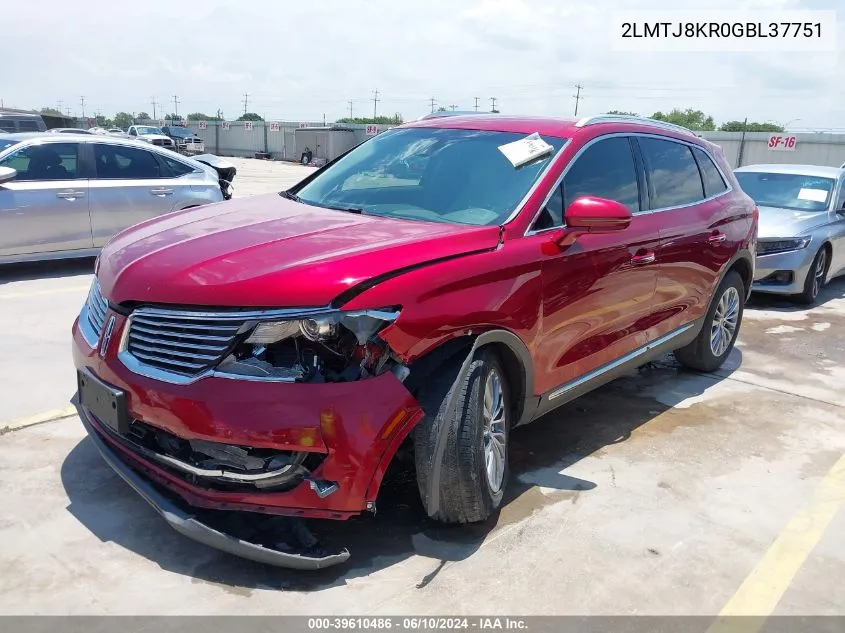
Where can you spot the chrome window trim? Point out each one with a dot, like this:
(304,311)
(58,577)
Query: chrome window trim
(585,378)
(537,182)
(529,232)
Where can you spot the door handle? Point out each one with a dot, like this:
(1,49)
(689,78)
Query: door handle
(717,238)
(161,192)
(643,258)
(70,195)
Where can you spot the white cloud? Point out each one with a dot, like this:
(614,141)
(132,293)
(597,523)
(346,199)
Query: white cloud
(298,60)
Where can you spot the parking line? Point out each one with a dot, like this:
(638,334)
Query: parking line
(37,293)
(39,418)
(761,591)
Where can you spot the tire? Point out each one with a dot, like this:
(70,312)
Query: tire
(714,343)
(814,281)
(469,493)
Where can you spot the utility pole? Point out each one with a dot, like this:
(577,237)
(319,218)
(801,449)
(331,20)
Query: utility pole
(493,101)
(375,103)
(67,111)
(454,107)
(82,103)
(577,97)
(350,108)
(175,105)
(154,103)
(476,103)
(433,101)
(324,119)
(59,102)
(246,101)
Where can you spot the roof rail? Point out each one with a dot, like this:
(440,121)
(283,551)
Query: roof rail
(627,118)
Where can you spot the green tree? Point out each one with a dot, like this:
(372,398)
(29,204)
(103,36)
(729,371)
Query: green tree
(123,120)
(199,116)
(689,118)
(752,126)
(51,112)
(622,112)
(441,109)
(103,121)
(250,116)
(143,116)
(172,117)
(396,119)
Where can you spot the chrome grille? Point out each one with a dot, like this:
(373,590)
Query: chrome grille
(97,307)
(181,342)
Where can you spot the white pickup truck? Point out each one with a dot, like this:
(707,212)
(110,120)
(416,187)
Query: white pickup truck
(150,134)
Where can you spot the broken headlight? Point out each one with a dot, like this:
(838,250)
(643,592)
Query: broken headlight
(331,347)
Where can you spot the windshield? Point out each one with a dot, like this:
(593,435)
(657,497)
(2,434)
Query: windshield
(437,175)
(787,191)
(4,143)
(144,129)
(181,132)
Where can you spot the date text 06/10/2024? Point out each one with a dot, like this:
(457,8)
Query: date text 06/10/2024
(417,624)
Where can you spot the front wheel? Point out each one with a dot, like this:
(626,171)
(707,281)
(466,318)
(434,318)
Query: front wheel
(474,470)
(815,278)
(711,347)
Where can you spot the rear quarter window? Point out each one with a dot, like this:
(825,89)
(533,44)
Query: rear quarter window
(673,172)
(714,184)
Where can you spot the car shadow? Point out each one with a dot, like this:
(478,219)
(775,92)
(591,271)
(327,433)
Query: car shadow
(540,453)
(52,269)
(835,289)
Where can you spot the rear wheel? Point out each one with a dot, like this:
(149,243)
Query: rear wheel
(815,278)
(721,326)
(474,470)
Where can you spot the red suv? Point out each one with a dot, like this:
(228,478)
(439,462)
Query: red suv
(433,289)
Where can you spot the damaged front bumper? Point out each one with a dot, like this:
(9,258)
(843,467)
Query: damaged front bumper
(188,525)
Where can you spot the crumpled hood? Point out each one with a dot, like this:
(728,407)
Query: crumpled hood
(266,251)
(776,222)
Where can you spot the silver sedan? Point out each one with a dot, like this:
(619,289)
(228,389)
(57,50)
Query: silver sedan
(64,195)
(801,239)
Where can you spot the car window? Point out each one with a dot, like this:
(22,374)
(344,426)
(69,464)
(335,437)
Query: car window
(606,170)
(431,174)
(797,192)
(674,175)
(177,167)
(714,184)
(552,213)
(7,126)
(47,161)
(119,162)
(840,205)
(28,126)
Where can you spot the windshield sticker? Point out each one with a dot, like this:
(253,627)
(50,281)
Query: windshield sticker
(525,150)
(814,195)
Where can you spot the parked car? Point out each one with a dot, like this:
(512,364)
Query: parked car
(65,195)
(273,355)
(802,227)
(11,122)
(151,135)
(69,130)
(186,141)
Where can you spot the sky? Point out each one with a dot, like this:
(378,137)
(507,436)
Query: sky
(300,60)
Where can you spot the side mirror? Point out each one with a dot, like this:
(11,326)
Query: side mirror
(7,174)
(589,214)
(133,133)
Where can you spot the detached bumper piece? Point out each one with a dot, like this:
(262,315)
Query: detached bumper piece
(301,549)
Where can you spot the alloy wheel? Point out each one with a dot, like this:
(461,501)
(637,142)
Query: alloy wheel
(494,431)
(725,321)
(818,272)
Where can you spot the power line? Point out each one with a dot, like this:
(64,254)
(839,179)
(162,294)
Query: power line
(375,103)
(577,97)
(175,105)
(245,101)
(493,101)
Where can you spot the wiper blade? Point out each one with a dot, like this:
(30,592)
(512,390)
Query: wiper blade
(290,196)
(357,210)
